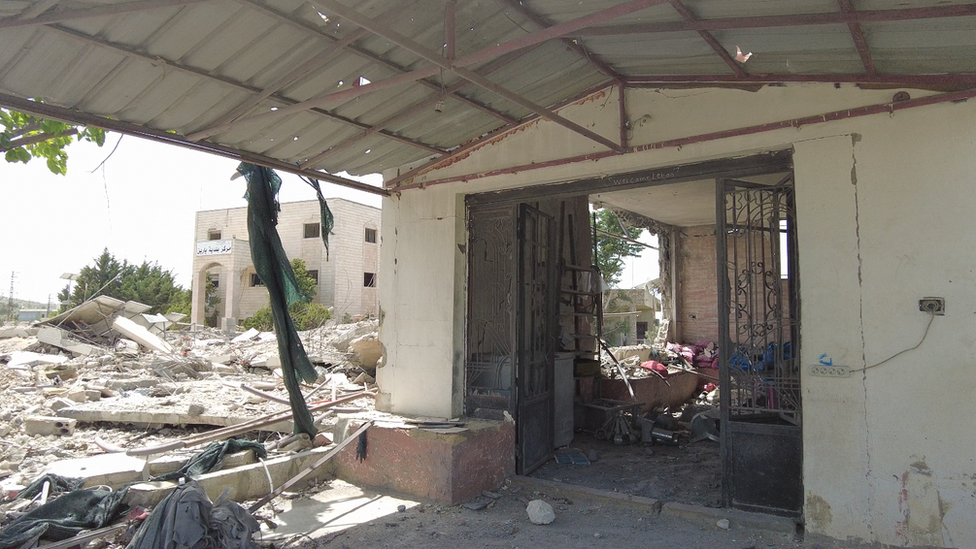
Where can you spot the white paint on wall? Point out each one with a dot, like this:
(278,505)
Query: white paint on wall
(885,208)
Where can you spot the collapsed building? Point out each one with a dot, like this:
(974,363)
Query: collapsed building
(806,190)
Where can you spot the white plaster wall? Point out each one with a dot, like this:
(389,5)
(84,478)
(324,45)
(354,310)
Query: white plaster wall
(884,218)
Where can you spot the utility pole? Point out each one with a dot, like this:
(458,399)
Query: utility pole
(10,299)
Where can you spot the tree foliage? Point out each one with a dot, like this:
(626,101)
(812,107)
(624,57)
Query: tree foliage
(307,315)
(612,251)
(146,283)
(24,137)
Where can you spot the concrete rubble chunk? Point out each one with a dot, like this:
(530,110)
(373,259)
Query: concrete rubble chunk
(246,336)
(62,339)
(366,351)
(115,470)
(76,394)
(13,331)
(343,338)
(724,524)
(141,335)
(46,425)
(540,512)
(60,403)
(20,359)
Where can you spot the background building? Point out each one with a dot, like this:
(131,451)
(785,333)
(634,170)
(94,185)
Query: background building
(346,275)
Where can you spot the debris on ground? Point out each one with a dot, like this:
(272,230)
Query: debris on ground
(105,378)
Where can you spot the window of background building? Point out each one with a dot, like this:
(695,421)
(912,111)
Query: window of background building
(314,275)
(214,279)
(369,280)
(371,235)
(256,280)
(312,230)
(213,234)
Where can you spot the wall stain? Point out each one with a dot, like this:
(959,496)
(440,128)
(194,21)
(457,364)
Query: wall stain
(921,506)
(818,511)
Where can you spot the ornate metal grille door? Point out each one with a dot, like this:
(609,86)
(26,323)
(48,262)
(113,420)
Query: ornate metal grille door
(489,368)
(758,317)
(536,341)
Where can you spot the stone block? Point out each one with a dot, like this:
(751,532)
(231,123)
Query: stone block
(76,394)
(60,403)
(46,425)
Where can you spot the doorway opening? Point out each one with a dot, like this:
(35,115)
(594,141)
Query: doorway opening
(728,282)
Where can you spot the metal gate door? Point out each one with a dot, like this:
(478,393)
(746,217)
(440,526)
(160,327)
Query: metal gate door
(535,338)
(489,371)
(758,319)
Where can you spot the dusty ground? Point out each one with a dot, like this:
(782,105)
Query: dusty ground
(580,523)
(688,473)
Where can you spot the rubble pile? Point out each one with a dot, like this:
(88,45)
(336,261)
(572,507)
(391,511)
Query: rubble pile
(93,383)
(640,361)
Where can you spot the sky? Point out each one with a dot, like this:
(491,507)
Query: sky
(139,202)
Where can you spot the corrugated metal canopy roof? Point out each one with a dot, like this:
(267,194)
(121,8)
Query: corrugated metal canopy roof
(324,86)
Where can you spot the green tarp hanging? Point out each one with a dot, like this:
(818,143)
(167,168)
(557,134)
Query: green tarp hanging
(273,267)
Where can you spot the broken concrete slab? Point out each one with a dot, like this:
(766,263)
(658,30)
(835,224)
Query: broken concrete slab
(20,359)
(15,331)
(248,481)
(115,470)
(47,425)
(103,412)
(141,335)
(62,339)
(246,336)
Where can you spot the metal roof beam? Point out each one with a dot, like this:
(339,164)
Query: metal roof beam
(231,82)
(889,79)
(301,71)
(75,117)
(541,23)
(876,16)
(711,40)
(446,64)
(64,16)
(376,59)
(856,112)
(858,36)
(465,149)
(486,54)
(418,107)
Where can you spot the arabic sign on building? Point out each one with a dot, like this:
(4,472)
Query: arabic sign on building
(215,247)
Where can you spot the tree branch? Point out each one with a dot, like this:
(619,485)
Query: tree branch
(37,138)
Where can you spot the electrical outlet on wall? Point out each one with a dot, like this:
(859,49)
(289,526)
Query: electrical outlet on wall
(932,305)
(823,370)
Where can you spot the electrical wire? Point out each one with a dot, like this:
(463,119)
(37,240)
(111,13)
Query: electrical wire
(903,351)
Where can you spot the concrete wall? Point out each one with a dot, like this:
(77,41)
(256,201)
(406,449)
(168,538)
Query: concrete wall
(884,218)
(340,271)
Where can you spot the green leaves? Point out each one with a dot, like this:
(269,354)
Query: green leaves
(24,137)
(610,250)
